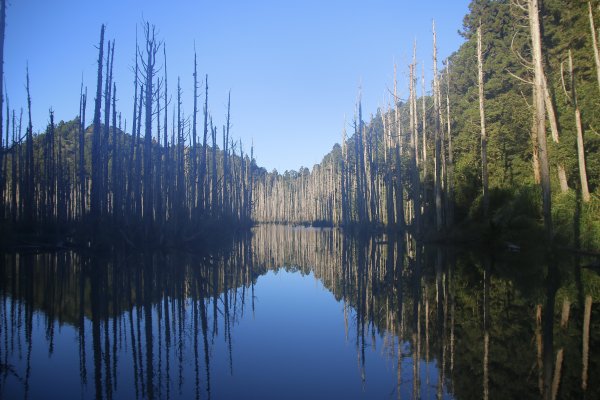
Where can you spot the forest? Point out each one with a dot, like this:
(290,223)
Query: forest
(503,145)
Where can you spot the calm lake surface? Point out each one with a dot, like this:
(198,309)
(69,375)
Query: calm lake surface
(300,313)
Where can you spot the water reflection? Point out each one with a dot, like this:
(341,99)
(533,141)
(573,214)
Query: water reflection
(421,321)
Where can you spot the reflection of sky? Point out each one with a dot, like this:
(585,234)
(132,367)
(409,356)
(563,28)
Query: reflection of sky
(293,347)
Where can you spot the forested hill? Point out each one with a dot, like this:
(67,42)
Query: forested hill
(439,137)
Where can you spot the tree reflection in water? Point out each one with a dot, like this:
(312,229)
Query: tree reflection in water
(448,323)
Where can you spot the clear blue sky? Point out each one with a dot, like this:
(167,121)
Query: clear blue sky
(293,67)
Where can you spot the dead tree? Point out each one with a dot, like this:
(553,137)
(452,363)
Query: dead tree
(130,160)
(594,34)
(414,171)
(438,141)
(104,188)
(533,12)
(167,166)
(115,187)
(214,191)
(194,154)
(28,197)
(82,180)
(450,172)
(96,156)
(205,134)
(149,70)
(572,99)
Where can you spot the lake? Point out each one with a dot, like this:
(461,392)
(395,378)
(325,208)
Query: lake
(297,313)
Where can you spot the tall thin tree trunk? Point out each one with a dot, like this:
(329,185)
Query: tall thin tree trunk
(594,34)
(106,128)
(29,193)
(450,197)
(96,156)
(116,199)
(130,161)
(400,217)
(484,166)
(202,177)
(585,192)
(414,173)
(438,144)
(536,46)
(562,175)
(152,48)
(166,173)
(82,180)
(194,154)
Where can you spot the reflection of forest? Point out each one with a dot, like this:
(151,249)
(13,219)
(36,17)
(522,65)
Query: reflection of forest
(468,314)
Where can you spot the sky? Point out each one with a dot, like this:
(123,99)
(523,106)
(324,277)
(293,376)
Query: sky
(294,67)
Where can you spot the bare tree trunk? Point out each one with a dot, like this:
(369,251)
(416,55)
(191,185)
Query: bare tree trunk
(424,130)
(484,167)
(29,192)
(152,47)
(400,217)
(82,183)
(562,175)
(137,191)
(450,197)
(96,156)
(204,149)
(536,46)
(166,174)
(116,195)
(214,190)
(194,154)
(594,42)
(585,192)
(438,144)
(535,160)
(414,173)
(104,188)
(129,203)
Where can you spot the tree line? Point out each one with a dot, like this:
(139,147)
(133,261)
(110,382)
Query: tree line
(165,181)
(506,135)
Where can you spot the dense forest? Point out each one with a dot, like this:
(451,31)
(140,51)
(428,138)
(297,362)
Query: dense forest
(505,142)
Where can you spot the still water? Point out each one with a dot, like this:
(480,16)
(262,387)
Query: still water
(298,313)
